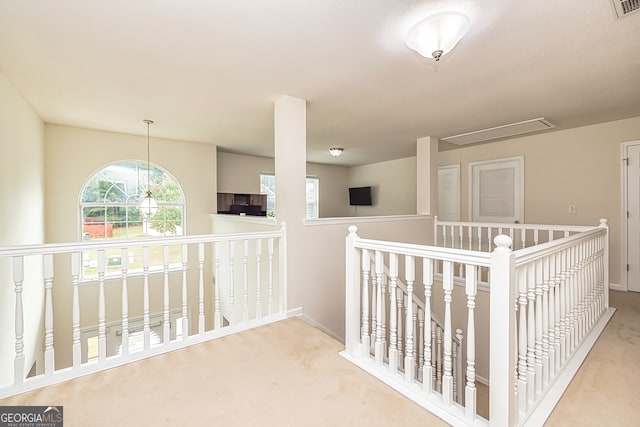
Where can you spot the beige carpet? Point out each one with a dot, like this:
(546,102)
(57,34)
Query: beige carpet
(283,374)
(604,392)
(289,374)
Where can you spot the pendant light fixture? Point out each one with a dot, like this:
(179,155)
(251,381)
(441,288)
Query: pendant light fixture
(148,205)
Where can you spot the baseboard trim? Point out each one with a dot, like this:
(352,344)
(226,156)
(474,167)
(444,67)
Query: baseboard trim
(310,321)
(617,287)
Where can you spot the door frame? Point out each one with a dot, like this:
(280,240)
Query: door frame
(624,150)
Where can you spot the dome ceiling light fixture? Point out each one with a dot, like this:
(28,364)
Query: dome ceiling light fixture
(437,34)
(336,151)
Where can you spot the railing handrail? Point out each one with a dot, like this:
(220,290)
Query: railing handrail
(543,227)
(481,259)
(52,248)
(525,255)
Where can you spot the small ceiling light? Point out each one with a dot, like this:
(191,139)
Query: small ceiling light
(148,205)
(336,151)
(436,35)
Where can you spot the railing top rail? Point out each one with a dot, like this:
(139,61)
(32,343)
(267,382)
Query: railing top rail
(531,253)
(423,251)
(50,248)
(544,227)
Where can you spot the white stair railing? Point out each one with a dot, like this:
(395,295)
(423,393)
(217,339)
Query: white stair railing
(179,287)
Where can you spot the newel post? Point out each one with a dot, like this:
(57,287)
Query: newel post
(502,405)
(604,223)
(352,298)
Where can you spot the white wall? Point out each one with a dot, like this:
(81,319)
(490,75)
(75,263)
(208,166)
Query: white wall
(580,167)
(21,219)
(72,156)
(393,187)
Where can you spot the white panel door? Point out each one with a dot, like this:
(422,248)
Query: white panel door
(497,190)
(449,193)
(633,218)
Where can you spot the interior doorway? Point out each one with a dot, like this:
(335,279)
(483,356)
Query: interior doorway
(631,214)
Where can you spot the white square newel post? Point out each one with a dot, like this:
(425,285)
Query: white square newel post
(502,342)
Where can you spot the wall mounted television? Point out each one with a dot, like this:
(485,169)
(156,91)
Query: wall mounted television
(360,196)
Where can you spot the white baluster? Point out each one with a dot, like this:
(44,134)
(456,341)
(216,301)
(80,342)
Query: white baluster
(545,282)
(185,313)
(270,296)
(427,368)
(552,317)
(457,374)
(379,343)
(102,329)
(166,318)
(523,375)
(374,310)
(232,286)
(258,277)
(409,360)
(400,296)
(531,334)
(447,376)
(18,281)
(439,358)
(393,335)
(75,310)
(562,334)
(536,236)
(201,288)
(217,316)
(538,326)
(366,268)
(49,358)
(523,238)
(471,288)
(480,238)
(145,298)
(245,280)
(124,264)
(420,343)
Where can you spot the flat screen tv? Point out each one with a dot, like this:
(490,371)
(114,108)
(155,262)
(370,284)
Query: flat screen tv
(360,196)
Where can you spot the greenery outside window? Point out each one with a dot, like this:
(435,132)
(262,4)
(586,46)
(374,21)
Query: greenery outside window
(110,209)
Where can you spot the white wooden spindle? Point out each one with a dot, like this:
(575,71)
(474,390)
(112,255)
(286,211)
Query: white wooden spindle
(545,281)
(124,265)
(18,282)
(409,359)
(166,318)
(439,358)
(562,335)
(374,309)
(531,334)
(366,268)
(393,334)
(75,310)
(427,368)
(523,375)
(416,342)
(245,280)
(447,376)
(185,313)
(523,238)
(49,358)
(457,373)
(379,342)
(420,343)
(217,316)
(400,314)
(552,316)
(145,298)
(102,329)
(470,392)
(537,267)
(232,286)
(201,288)
(258,279)
(270,294)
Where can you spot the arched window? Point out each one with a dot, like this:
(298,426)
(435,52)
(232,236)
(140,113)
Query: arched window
(110,208)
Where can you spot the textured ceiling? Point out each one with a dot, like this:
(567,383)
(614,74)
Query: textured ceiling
(210,71)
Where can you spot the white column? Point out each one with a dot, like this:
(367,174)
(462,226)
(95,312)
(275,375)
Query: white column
(290,137)
(427,175)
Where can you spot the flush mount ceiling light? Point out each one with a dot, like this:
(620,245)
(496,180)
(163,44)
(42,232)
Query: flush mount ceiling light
(437,34)
(336,151)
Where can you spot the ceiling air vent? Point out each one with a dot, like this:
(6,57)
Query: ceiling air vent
(503,131)
(625,7)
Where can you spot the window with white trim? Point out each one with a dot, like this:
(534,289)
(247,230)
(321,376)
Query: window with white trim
(268,187)
(110,209)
